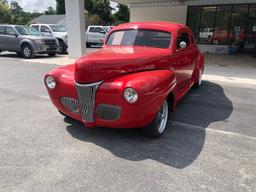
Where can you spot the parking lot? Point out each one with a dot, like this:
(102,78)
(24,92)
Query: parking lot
(210,144)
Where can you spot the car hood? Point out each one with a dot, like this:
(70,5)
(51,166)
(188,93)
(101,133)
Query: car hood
(32,37)
(59,34)
(112,61)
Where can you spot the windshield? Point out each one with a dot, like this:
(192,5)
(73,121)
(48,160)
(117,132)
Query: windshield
(33,31)
(146,38)
(58,28)
(22,30)
(25,30)
(107,28)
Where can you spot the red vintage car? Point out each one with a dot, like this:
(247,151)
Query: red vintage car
(139,75)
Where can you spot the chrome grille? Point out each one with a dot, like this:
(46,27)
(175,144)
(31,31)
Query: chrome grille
(108,112)
(86,95)
(70,103)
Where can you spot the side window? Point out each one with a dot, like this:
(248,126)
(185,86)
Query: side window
(183,37)
(99,30)
(36,27)
(2,30)
(92,29)
(10,31)
(45,29)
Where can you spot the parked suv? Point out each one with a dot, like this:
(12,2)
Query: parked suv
(26,41)
(53,30)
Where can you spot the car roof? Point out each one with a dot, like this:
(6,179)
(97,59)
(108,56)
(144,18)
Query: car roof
(156,25)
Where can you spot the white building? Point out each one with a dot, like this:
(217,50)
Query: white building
(217,24)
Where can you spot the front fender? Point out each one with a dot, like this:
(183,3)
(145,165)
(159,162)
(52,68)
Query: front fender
(152,87)
(27,41)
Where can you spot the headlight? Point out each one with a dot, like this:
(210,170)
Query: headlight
(38,41)
(50,82)
(130,95)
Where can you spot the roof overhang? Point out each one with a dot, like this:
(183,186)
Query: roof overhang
(145,1)
(152,3)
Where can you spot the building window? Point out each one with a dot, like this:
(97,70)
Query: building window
(207,24)
(193,20)
(221,29)
(224,24)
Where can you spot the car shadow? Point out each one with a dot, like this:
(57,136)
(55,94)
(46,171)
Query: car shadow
(182,142)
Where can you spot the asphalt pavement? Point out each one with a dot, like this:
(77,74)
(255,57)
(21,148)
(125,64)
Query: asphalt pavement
(210,144)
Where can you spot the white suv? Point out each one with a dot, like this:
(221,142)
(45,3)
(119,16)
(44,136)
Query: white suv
(53,30)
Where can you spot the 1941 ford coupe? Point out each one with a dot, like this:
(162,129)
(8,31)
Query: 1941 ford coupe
(139,75)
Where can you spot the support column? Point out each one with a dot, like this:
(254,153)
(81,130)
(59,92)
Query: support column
(75,22)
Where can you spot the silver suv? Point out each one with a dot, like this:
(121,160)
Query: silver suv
(26,41)
(54,30)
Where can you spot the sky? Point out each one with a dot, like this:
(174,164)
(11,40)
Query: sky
(42,5)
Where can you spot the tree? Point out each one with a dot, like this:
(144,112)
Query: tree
(122,15)
(50,11)
(5,12)
(18,15)
(103,9)
(60,6)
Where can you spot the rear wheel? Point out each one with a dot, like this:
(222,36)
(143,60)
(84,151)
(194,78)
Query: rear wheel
(88,45)
(158,126)
(27,51)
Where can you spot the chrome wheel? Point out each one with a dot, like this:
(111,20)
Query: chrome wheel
(162,117)
(200,77)
(27,52)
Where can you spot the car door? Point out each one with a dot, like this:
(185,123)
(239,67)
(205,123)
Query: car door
(184,59)
(11,39)
(45,30)
(97,34)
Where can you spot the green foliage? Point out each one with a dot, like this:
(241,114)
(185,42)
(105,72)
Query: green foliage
(122,15)
(103,9)
(5,13)
(60,6)
(13,14)
(50,11)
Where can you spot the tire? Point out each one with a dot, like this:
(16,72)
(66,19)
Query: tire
(158,126)
(27,51)
(198,82)
(63,47)
(51,54)
(88,45)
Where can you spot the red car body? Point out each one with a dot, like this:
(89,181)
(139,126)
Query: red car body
(157,74)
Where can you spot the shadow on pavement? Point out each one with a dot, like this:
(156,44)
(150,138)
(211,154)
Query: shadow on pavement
(180,145)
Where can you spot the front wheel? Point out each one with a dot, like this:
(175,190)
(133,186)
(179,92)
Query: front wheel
(158,126)
(27,51)
(198,81)
(62,48)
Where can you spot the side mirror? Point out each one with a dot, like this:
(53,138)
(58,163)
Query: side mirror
(183,45)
